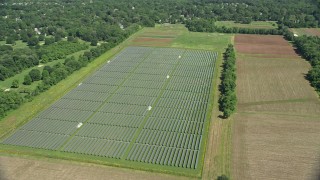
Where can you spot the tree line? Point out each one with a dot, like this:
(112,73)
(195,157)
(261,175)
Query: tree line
(59,50)
(308,47)
(228,97)
(208,25)
(49,77)
(14,61)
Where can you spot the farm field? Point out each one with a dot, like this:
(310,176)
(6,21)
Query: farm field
(161,36)
(306,31)
(278,118)
(145,105)
(253,24)
(26,168)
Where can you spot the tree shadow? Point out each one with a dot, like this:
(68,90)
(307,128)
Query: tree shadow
(222,117)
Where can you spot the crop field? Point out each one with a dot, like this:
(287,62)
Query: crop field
(253,25)
(306,31)
(278,114)
(161,36)
(145,105)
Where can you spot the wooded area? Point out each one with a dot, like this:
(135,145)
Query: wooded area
(52,30)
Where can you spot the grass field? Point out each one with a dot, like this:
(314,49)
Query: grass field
(306,31)
(275,133)
(19,44)
(253,24)
(216,42)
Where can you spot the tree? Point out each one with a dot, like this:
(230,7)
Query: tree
(71,38)
(10,40)
(227,103)
(57,37)
(49,41)
(15,83)
(94,42)
(222,177)
(33,41)
(228,98)
(48,68)
(41,37)
(27,80)
(45,74)
(35,74)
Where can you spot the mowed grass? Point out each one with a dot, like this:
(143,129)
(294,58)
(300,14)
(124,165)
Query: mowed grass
(17,45)
(252,25)
(183,39)
(275,128)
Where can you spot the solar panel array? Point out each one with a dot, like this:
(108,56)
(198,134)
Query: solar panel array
(146,104)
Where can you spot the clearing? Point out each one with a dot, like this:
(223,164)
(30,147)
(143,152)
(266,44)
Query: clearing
(252,25)
(306,31)
(277,125)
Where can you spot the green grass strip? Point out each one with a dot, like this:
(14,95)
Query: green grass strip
(279,101)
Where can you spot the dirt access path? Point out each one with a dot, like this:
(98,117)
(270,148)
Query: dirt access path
(276,129)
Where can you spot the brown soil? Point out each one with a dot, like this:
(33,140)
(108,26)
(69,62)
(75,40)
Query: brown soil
(313,31)
(261,80)
(16,168)
(276,134)
(265,49)
(278,56)
(276,147)
(260,40)
(264,45)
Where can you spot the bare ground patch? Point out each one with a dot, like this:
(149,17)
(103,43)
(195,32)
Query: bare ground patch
(300,107)
(272,80)
(313,31)
(276,130)
(265,49)
(260,39)
(16,168)
(276,147)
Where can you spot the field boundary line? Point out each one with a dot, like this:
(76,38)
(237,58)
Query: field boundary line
(280,101)
(106,101)
(280,114)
